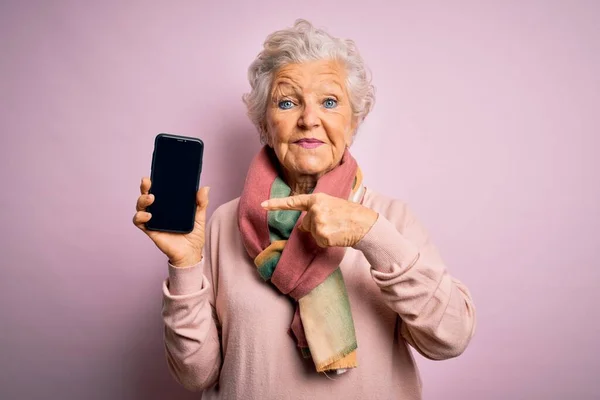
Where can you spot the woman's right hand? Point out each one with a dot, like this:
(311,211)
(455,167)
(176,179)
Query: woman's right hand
(182,249)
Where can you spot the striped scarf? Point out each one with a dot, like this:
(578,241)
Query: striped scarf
(292,261)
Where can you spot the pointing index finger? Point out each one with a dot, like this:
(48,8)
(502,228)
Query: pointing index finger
(300,202)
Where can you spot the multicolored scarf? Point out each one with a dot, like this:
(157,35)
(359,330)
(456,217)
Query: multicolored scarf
(293,262)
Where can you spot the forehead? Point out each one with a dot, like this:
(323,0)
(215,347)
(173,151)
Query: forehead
(310,74)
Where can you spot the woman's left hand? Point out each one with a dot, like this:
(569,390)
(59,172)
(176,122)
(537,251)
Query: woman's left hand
(332,221)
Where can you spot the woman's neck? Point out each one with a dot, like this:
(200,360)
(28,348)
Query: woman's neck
(301,184)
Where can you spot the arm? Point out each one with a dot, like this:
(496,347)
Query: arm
(438,316)
(191,337)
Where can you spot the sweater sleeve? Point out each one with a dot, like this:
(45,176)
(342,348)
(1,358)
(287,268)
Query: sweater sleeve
(191,335)
(436,310)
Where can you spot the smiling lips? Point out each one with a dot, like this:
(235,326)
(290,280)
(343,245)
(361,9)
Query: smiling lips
(308,143)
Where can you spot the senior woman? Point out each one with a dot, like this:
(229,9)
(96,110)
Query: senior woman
(310,285)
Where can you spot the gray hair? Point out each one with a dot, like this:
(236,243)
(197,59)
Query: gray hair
(302,43)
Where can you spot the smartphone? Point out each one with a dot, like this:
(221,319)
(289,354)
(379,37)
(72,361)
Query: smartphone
(175,176)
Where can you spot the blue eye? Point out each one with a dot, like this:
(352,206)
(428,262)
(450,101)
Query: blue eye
(330,103)
(286,104)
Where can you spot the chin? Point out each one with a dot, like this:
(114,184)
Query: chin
(311,167)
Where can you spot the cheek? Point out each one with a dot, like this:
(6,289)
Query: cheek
(279,127)
(276,130)
(340,129)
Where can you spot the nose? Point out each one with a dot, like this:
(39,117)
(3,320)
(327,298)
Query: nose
(309,118)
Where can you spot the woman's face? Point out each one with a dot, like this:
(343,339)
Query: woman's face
(309,118)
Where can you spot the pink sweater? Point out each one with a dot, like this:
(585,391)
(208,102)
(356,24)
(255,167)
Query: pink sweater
(226,329)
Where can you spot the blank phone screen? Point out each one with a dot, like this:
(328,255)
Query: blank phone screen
(175,175)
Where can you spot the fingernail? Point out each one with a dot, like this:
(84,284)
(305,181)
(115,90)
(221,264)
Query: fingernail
(207,189)
(264,203)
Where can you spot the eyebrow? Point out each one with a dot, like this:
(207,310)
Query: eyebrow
(334,83)
(284,80)
(283,85)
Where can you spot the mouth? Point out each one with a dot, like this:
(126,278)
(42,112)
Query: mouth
(309,143)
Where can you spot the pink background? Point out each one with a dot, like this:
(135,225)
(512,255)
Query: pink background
(486,122)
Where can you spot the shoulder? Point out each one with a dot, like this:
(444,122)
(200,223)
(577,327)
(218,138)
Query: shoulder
(226,211)
(401,216)
(223,220)
(397,211)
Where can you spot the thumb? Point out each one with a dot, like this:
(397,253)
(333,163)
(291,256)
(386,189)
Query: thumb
(202,198)
(305,224)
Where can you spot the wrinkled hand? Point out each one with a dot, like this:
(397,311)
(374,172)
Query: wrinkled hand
(181,249)
(331,221)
